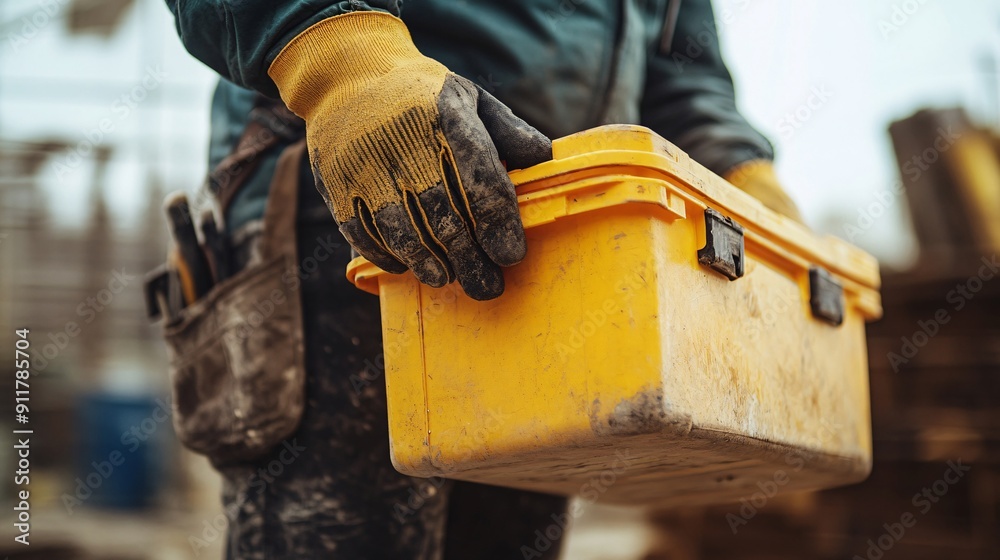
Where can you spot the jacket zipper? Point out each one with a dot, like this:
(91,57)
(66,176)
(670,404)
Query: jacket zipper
(669,26)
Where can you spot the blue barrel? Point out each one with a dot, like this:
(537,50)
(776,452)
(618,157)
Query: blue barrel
(121,444)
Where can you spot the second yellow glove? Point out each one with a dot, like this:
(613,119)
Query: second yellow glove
(757,178)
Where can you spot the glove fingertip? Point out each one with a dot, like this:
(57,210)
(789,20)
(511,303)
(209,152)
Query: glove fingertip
(355,234)
(504,241)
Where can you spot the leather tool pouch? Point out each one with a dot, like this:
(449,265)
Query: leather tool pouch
(236,355)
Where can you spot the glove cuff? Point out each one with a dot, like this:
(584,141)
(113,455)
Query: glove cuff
(753,170)
(757,178)
(341,56)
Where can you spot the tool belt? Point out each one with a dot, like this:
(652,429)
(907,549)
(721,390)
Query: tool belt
(270,124)
(236,354)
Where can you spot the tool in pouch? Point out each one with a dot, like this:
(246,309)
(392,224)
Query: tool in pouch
(235,344)
(187,275)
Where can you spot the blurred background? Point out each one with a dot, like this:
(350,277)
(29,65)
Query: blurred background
(884,116)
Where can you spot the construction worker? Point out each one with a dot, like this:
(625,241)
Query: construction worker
(411,119)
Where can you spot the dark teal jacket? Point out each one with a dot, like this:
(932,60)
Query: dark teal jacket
(562,65)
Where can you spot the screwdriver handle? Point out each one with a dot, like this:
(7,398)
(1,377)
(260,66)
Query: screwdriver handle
(189,259)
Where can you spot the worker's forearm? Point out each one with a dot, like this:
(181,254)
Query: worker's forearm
(239,39)
(697,112)
(689,97)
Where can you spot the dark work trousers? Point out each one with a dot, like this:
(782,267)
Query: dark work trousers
(330,491)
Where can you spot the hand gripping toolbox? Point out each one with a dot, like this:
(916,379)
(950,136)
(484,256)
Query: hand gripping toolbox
(667,340)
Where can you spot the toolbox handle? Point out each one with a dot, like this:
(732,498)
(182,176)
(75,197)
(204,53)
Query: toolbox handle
(826,296)
(724,253)
(724,246)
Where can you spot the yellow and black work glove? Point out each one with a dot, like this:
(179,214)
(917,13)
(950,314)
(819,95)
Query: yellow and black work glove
(757,178)
(408,155)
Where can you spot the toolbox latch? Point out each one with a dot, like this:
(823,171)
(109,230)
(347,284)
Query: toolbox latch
(723,250)
(826,296)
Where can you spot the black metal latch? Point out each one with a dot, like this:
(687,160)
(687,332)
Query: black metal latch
(723,250)
(826,296)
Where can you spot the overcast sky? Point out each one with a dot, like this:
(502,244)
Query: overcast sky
(821,79)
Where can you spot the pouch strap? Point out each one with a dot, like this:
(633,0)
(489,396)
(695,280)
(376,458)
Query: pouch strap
(269,124)
(282,204)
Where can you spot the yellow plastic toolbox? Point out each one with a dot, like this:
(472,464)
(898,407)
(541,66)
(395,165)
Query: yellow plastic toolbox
(667,339)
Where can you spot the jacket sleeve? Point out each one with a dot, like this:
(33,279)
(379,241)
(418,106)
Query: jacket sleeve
(239,38)
(689,98)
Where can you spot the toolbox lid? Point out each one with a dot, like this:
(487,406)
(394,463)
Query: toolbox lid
(636,151)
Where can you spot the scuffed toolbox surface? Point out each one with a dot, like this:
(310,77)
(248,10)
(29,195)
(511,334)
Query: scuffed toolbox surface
(614,352)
